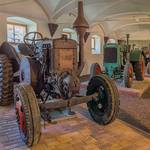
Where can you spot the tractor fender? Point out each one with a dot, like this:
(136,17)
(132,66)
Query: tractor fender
(95,70)
(136,55)
(11,53)
(29,71)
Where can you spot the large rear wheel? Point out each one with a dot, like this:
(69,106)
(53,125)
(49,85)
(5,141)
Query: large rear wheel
(28,114)
(105,108)
(6,81)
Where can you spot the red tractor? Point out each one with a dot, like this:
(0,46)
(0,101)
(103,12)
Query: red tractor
(49,80)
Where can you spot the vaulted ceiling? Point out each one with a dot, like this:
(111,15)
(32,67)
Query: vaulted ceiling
(113,15)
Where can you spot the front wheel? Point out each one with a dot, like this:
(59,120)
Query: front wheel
(28,114)
(105,108)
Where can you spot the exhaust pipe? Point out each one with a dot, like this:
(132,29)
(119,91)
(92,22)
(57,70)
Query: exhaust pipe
(81,25)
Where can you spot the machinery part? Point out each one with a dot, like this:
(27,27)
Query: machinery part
(28,114)
(6,81)
(128,75)
(69,84)
(81,25)
(60,85)
(29,70)
(31,38)
(60,103)
(95,70)
(148,68)
(139,70)
(106,107)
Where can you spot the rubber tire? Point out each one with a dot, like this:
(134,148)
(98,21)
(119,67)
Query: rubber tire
(6,81)
(32,113)
(138,70)
(127,82)
(113,99)
(148,68)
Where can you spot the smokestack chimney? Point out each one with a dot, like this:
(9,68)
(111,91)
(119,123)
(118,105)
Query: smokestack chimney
(81,25)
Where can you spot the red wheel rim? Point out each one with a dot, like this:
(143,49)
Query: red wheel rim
(98,70)
(130,70)
(21,118)
(142,68)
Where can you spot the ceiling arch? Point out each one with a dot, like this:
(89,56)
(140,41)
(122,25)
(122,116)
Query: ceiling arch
(111,14)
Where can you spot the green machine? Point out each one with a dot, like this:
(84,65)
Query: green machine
(120,61)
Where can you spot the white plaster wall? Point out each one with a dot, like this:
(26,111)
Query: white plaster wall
(42,26)
(89,57)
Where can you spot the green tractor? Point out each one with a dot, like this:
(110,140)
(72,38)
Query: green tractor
(120,61)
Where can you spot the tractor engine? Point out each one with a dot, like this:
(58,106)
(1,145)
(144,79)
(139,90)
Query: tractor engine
(61,85)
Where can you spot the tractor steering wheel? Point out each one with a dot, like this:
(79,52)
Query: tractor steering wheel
(31,38)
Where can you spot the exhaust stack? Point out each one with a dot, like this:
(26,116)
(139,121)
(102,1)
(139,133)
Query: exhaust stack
(81,25)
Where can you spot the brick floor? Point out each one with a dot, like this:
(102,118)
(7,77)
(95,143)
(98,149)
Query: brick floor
(79,133)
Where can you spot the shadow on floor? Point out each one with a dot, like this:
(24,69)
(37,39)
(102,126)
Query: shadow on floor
(123,115)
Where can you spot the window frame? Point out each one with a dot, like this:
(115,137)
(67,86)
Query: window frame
(15,24)
(94,49)
(67,34)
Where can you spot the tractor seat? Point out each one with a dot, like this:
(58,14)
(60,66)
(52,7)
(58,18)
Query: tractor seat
(25,50)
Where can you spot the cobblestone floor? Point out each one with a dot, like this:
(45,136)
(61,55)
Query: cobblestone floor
(79,133)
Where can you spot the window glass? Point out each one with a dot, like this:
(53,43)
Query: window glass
(96,44)
(15,33)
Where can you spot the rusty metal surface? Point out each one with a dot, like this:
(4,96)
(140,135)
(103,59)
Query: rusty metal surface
(64,55)
(81,25)
(60,103)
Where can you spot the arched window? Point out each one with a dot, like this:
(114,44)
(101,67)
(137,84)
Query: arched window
(96,44)
(70,33)
(17,27)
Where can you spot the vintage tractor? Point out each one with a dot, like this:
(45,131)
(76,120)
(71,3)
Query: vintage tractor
(49,81)
(121,62)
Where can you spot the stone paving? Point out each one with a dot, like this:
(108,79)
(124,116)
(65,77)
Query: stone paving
(79,133)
